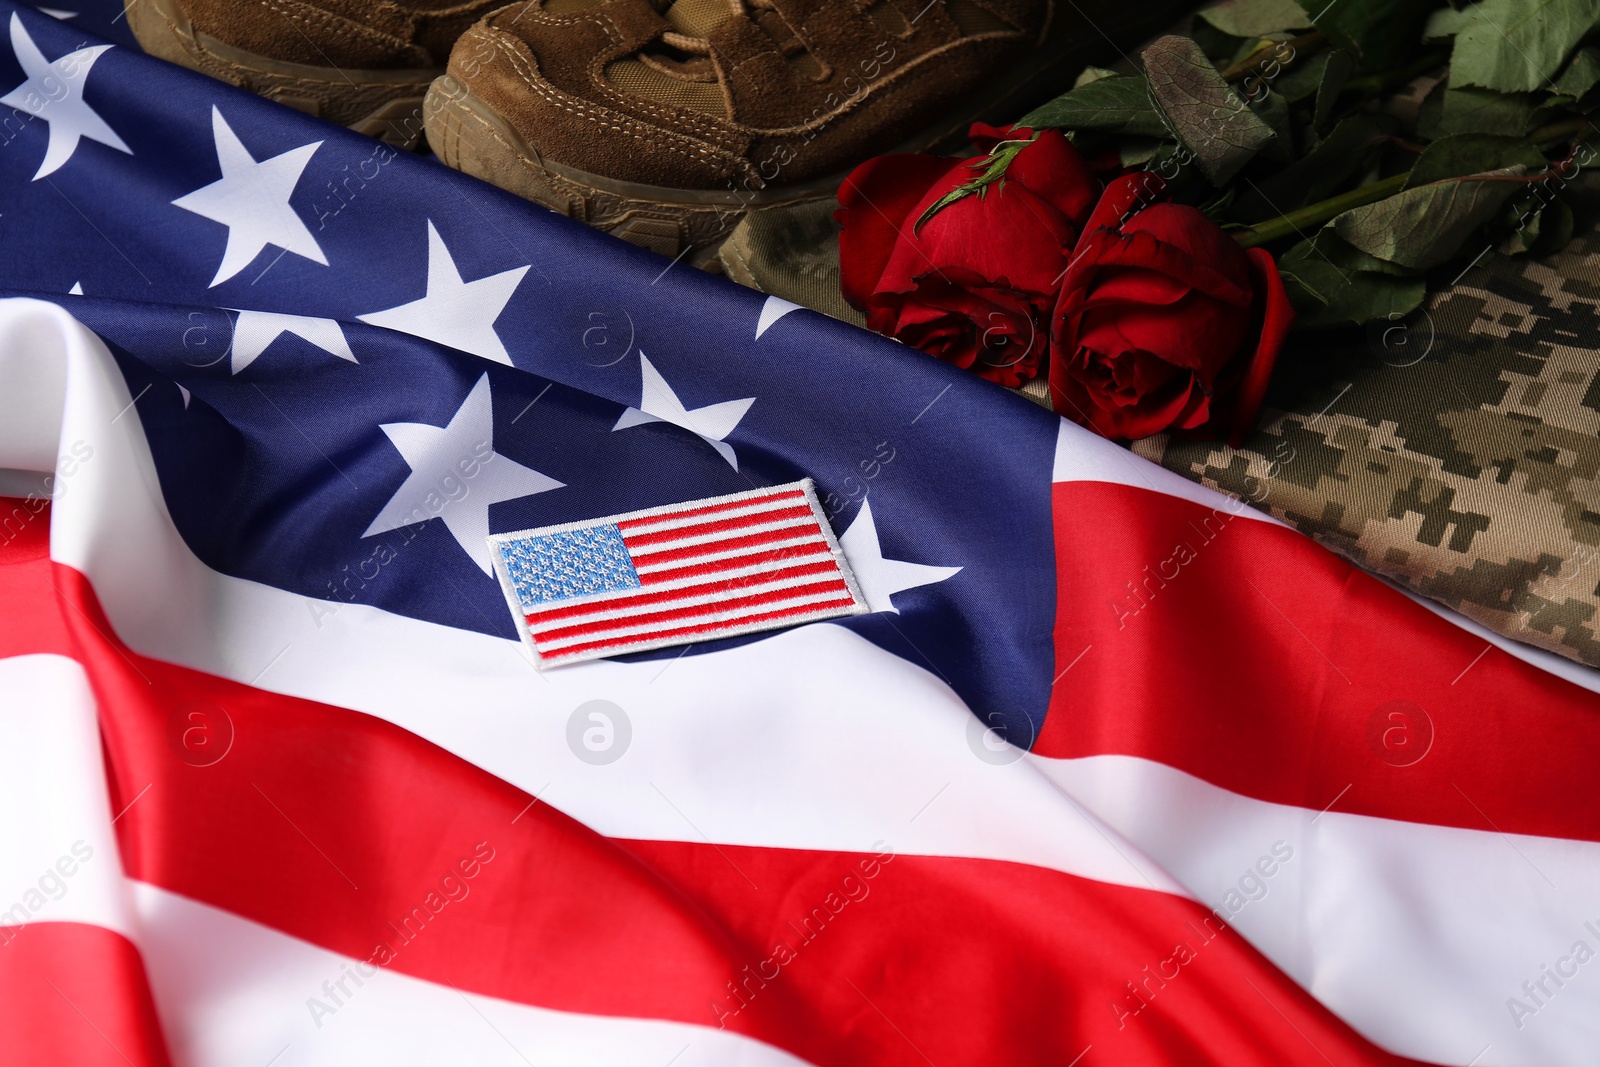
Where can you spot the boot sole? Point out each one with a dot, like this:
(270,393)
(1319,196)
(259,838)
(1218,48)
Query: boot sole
(472,137)
(380,103)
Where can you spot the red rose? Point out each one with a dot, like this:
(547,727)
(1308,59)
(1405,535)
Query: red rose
(1164,323)
(975,285)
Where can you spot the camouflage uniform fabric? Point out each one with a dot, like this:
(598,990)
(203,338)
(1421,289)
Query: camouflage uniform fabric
(1456,452)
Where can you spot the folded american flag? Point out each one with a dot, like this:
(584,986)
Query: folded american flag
(1114,770)
(672,575)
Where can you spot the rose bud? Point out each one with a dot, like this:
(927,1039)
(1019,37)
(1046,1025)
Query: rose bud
(975,283)
(1164,322)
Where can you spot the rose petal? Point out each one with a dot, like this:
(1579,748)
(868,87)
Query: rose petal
(1007,236)
(875,201)
(1153,312)
(1277,316)
(1187,229)
(1144,250)
(1133,285)
(1052,170)
(1140,374)
(1123,197)
(1178,406)
(984,136)
(1197,333)
(1006,339)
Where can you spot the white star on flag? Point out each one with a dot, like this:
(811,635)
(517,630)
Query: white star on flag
(254,331)
(252,200)
(658,403)
(879,579)
(456,476)
(775,308)
(453,312)
(54,92)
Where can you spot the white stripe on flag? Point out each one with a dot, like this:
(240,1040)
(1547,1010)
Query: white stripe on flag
(58,854)
(236,992)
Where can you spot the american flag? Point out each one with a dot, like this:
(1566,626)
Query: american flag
(1116,770)
(671,575)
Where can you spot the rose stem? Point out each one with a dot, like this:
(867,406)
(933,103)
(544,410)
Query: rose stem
(1253,62)
(1378,83)
(1560,131)
(1316,214)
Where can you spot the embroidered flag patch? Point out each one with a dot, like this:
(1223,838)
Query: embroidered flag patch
(675,575)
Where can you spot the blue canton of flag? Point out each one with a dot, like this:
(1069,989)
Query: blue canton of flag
(353,365)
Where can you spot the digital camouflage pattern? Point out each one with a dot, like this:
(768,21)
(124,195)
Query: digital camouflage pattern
(1456,452)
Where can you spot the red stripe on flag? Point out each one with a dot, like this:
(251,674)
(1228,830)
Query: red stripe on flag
(1269,666)
(1029,966)
(730,602)
(753,541)
(641,598)
(750,559)
(802,514)
(709,509)
(72,993)
(710,629)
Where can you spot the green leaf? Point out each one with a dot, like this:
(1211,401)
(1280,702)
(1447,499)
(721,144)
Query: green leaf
(1335,72)
(1340,156)
(1423,227)
(1556,226)
(1274,111)
(1581,74)
(1256,18)
(1555,109)
(1202,110)
(1449,110)
(1218,205)
(1445,23)
(1379,33)
(1478,111)
(1220,47)
(1537,227)
(1333,284)
(1473,153)
(1137,151)
(1091,74)
(1518,45)
(1301,81)
(1544,221)
(1248,46)
(1118,104)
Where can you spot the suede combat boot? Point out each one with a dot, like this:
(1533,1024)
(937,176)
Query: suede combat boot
(665,124)
(361,63)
